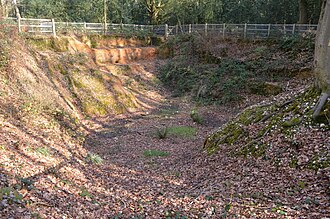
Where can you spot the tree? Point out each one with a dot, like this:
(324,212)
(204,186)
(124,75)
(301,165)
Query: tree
(322,57)
(303,14)
(17,13)
(154,8)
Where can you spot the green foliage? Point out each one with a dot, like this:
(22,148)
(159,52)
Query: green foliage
(195,71)
(169,11)
(9,195)
(155,153)
(43,151)
(297,43)
(206,83)
(94,158)
(226,210)
(59,44)
(182,131)
(196,117)
(292,122)
(85,193)
(4,59)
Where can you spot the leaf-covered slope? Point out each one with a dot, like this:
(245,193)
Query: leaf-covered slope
(282,132)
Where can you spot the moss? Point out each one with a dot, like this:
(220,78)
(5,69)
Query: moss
(324,116)
(253,115)
(58,44)
(293,162)
(93,108)
(319,162)
(292,122)
(10,192)
(293,108)
(253,148)
(229,134)
(233,131)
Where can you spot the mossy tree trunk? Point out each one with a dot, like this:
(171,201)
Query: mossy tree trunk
(322,57)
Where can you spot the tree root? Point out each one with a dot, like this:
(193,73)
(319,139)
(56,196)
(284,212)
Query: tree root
(320,104)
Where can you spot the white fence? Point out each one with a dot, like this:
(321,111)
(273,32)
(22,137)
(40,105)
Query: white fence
(49,26)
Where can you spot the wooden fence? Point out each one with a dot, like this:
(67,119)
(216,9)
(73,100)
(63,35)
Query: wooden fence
(49,26)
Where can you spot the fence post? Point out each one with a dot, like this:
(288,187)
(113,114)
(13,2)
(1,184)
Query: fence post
(166,31)
(284,29)
(245,30)
(268,34)
(293,29)
(223,30)
(189,28)
(206,29)
(85,27)
(53,28)
(105,27)
(176,29)
(19,25)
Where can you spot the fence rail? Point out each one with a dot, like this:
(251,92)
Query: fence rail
(49,26)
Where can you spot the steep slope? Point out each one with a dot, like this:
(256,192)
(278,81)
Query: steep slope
(45,97)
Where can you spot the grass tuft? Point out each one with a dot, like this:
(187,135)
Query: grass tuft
(43,151)
(155,153)
(182,131)
(94,158)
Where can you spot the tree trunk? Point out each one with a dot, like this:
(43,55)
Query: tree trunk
(18,15)
(105,16)
(322,57)
(303,12)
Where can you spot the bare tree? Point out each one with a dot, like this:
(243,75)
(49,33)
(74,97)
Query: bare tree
(322,57)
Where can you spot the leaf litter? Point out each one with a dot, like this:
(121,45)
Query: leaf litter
(186,183)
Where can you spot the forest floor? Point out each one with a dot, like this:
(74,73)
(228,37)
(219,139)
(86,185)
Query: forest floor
(144,176)
(149,177)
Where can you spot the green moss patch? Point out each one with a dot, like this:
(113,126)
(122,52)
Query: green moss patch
(182,131)
(155,153)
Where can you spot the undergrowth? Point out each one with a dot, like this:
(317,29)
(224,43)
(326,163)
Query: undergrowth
(225,74)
